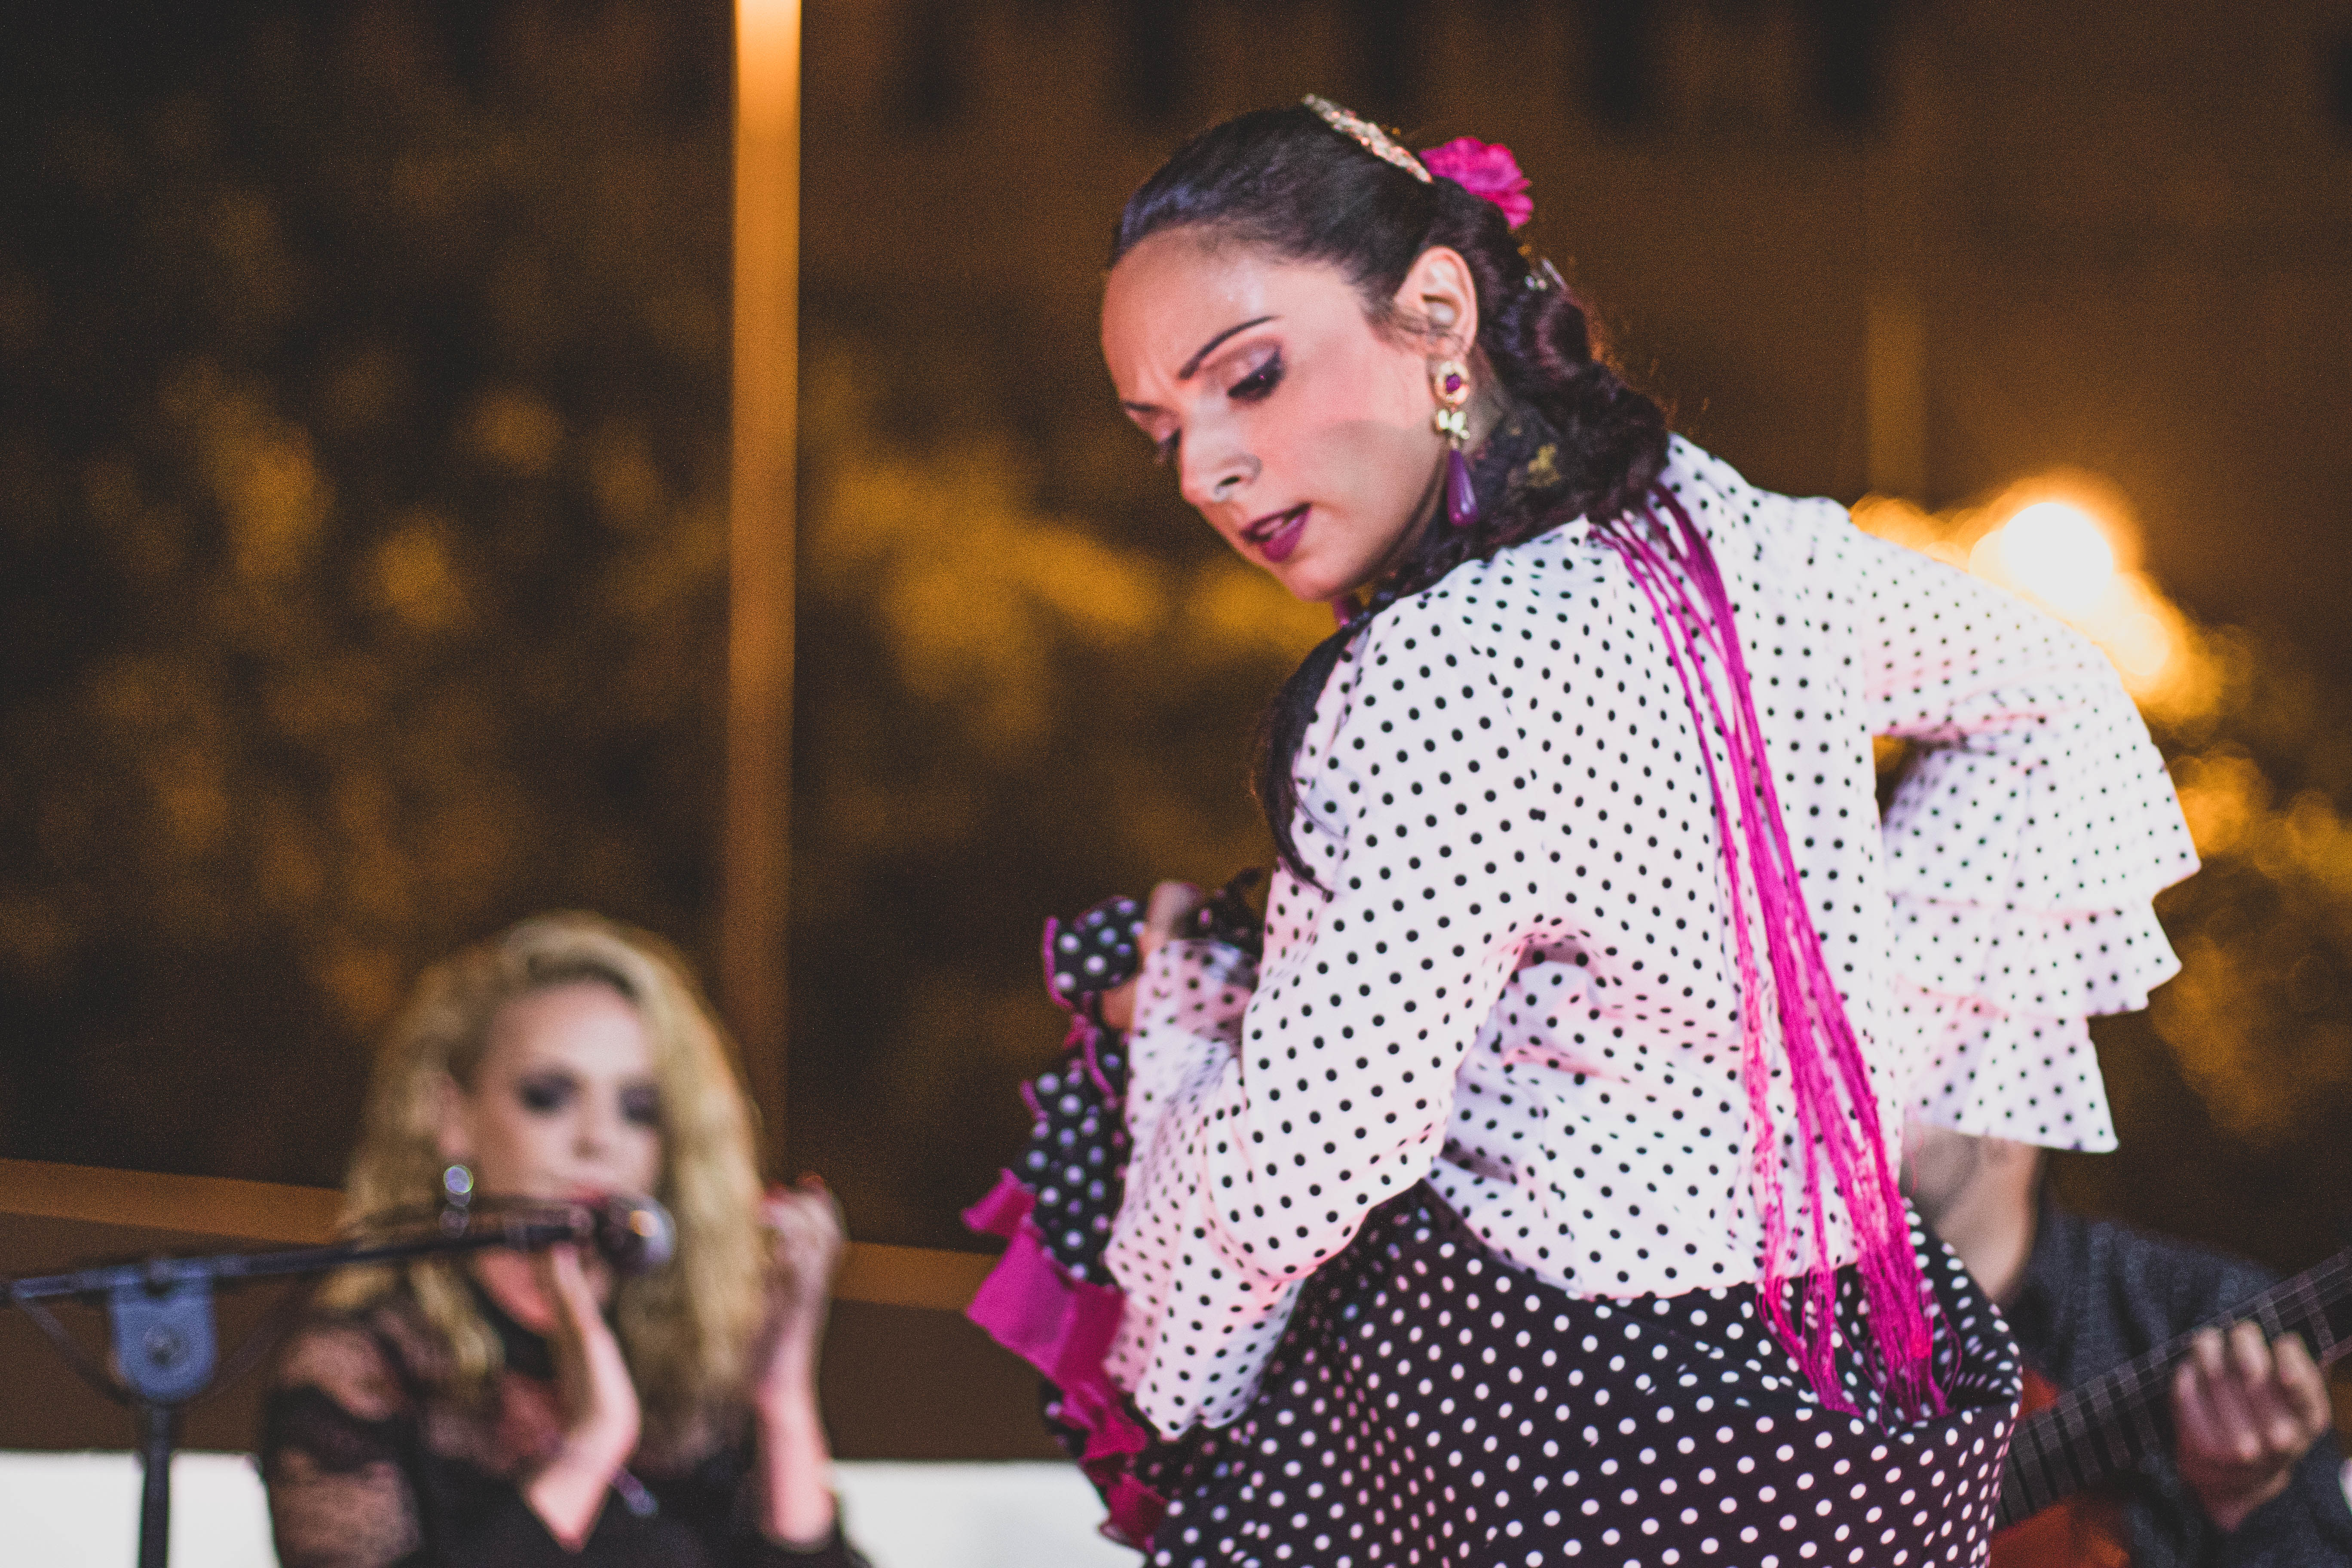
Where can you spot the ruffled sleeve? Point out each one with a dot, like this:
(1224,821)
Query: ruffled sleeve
(1267,1122)
(1188,1022)
(2022,848)
(1186,1039)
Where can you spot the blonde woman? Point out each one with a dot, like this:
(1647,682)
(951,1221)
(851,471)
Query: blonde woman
(510,1409)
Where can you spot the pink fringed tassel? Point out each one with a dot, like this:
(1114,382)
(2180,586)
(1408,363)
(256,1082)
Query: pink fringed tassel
(1826,1071)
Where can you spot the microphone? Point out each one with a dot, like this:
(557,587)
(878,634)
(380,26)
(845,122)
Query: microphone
(632,1235)
(636,1235)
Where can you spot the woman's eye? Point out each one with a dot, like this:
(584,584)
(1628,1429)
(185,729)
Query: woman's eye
(1163,451)
(641,1107)
(1253,387)
(545,1096)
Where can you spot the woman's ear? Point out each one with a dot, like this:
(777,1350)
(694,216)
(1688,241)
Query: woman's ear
(452,1129)
(1440,298)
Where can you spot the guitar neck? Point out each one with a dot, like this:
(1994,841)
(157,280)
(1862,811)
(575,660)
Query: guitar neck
(2109,1425)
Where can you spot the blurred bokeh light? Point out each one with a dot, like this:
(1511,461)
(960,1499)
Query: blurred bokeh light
(2051,550)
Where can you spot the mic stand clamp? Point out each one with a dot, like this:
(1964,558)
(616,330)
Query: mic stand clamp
(165,1344)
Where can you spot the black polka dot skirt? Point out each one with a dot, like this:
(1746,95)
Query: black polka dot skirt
(1433,1403)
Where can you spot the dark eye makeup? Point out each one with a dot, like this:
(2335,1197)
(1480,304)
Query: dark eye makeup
(641,1106)
(552,1093)
(545,1093)
(1254,386)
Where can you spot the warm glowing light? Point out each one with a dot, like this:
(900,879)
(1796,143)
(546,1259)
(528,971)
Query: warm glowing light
(2072,558)
(2055,552)
(767,66)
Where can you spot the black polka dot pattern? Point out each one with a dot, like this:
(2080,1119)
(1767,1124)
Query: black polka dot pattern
(1432,1403)
(1077,1158)
(1093,953)
(1073,1164)
(1077,1151)
(1520,988)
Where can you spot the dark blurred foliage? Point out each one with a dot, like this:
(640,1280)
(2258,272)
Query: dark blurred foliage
(1007,711)
(361,448)
(362,438)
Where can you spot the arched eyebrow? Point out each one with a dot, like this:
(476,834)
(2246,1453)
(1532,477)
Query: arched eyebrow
(1190,367)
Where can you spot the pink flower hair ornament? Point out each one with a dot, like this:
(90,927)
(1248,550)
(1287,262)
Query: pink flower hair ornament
(1486,169)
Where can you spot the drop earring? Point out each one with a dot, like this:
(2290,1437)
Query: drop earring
(457,1194)
(1451,384)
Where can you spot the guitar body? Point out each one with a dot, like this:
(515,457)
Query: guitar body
(2085,1531)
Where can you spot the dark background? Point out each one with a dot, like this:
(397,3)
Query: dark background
(362,466)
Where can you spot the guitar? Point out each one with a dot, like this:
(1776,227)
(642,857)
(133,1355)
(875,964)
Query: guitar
(2109,1425)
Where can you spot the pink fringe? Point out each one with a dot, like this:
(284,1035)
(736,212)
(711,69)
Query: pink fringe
(1093,1038)
(1818,1041)
(1063,1326)
(1045,959)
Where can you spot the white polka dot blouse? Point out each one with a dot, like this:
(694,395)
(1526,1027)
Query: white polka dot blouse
(1520,985)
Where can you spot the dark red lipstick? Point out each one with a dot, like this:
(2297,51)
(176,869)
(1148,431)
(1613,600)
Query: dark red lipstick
(1276,535)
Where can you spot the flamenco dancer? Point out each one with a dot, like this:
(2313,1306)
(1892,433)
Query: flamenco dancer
(1529,1197)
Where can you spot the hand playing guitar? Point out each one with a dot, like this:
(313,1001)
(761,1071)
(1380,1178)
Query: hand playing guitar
(2243,1413)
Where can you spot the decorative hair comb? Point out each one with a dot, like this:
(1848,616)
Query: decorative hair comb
(1486,169)
(1367,135)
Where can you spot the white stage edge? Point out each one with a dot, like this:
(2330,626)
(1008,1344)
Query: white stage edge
(81,1511)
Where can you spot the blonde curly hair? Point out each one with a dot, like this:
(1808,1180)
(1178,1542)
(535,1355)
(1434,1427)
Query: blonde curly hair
(687,1328)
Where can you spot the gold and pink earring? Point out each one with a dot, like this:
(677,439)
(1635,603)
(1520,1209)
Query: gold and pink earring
(1451,383)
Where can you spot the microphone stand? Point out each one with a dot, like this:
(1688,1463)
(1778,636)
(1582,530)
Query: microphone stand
(160,1317)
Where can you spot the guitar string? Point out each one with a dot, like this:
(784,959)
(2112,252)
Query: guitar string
(2125,1391)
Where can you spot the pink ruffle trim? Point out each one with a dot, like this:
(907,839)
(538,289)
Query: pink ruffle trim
(1063,1327)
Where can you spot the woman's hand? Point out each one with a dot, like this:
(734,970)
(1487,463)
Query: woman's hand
(1171,904)
(804,1224)
(600,1414)
(809,1238)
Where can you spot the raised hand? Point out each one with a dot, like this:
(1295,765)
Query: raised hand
(600,1414)
(1170,903)
(807,1241)
(809,1238)
(2243,1412)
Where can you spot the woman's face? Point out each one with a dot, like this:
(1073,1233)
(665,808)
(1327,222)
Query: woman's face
(563,1105)
(1300,431)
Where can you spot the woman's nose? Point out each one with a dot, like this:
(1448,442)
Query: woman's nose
(592,1132)
(1212,479)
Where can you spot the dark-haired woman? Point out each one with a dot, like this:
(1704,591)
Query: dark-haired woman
(1531,1201)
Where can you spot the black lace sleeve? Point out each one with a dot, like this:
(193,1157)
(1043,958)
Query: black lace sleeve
(352,1483)
(337,1433)
(719,1498)
(366,1467)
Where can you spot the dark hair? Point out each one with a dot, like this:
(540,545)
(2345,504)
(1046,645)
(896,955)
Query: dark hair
(1286,181)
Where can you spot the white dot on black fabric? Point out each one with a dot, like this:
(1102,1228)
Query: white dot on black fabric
(1348,1423)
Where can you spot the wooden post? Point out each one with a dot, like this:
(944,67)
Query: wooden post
(1898,211)
(756,874)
